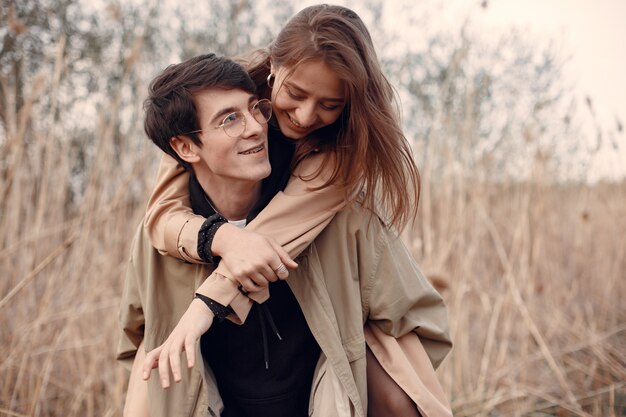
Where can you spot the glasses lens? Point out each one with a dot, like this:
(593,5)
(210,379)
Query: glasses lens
(262,110)
(234,124)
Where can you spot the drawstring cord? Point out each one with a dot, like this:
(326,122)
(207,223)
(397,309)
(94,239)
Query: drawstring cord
(264,312)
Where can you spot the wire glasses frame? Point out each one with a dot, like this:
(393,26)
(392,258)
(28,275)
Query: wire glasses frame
(234,124)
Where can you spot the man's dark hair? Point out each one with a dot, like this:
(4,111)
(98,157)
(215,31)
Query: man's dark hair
(171,108)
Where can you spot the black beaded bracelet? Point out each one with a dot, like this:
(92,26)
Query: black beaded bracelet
(219,311)
(206,235)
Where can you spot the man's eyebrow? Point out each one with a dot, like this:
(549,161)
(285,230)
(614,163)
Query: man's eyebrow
(301,90)
(222,113)
(228,110)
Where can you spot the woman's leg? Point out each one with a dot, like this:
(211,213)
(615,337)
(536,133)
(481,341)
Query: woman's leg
(137,396)
(385,398)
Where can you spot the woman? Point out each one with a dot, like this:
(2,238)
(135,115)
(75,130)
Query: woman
(328,94)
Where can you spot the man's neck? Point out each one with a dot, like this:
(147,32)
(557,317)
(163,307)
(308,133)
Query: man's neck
(233,200)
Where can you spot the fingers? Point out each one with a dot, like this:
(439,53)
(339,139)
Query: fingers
(174,357)
(151,361)
(262,277)
(266,273)
(268,263)
(165,357)
(250,286)
(284,256)
(164,368)
(281,271)
(285,262)
(195,322)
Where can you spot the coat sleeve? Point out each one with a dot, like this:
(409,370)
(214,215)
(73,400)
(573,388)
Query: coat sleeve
(171,224)
(297,215)
(294,218)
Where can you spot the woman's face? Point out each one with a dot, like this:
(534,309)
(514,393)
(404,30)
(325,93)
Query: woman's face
(309,98)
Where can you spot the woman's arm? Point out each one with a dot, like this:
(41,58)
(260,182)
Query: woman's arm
(292,219)
(173,227)
(170,222)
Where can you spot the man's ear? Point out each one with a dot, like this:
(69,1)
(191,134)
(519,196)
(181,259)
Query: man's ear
(185,148)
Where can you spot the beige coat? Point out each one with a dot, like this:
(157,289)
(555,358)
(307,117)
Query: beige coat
(294,218)
(355,271)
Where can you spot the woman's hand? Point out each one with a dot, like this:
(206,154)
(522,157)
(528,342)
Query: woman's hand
(193,324)
(253,260)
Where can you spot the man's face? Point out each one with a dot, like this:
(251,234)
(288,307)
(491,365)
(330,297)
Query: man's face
(226,160)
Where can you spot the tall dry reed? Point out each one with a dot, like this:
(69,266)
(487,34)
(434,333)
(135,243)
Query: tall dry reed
(65,238)
(533,274)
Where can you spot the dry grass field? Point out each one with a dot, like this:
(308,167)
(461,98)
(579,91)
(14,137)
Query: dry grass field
(535,281)
(533,274)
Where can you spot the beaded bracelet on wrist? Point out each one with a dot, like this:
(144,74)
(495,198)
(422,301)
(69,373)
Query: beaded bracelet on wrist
(206,235)
(219,311)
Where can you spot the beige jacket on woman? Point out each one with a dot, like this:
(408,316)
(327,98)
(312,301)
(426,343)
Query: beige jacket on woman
(407,358)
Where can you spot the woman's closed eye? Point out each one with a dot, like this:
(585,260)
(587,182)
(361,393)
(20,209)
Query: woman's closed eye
(294,95)
(329,107)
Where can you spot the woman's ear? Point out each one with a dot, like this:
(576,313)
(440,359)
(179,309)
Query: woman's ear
(185,148)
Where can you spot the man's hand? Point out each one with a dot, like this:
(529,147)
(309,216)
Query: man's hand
(193,324)
(253,260)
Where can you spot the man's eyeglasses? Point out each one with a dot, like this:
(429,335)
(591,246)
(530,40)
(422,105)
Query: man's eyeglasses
(234,124)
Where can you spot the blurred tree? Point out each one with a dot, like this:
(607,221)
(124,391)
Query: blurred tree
(469,103)
(92,63)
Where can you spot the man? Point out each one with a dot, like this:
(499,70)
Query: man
(215,97)
(316,339)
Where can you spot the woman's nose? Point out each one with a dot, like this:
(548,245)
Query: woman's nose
(306,114)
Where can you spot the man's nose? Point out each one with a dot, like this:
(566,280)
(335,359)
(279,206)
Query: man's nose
(253,127)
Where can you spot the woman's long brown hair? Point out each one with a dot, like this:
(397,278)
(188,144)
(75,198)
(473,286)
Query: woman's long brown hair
(370,153)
